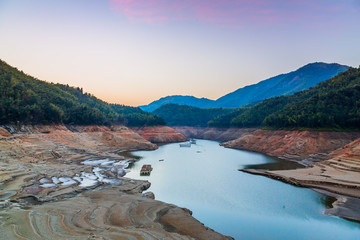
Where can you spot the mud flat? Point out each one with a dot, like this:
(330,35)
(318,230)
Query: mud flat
(67,182)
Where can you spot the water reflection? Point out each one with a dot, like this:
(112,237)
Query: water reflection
(277,164)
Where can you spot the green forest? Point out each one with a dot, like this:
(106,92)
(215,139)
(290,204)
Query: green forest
(25,99)
(183,115)
(334,103)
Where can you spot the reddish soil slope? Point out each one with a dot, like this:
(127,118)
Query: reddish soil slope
(160,134)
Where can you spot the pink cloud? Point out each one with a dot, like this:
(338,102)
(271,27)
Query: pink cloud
(223,12)
(214,11)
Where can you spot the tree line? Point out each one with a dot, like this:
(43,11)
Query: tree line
(183,115)
(334,103)
(28,100)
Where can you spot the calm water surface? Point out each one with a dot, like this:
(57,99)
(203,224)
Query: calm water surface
(206,180)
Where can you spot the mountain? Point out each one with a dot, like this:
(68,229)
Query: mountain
(25,99)
(183,115)
(283,84)
(181,100)
(330,104)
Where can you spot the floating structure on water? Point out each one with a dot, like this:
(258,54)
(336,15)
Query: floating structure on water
(187,144)
(145,170)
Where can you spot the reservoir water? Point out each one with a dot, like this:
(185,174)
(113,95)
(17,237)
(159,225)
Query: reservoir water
(205,179)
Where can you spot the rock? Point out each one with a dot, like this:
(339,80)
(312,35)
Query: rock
(150,195)
(121,172)
(33,189)
(146,185)
(55,154)
(45,180)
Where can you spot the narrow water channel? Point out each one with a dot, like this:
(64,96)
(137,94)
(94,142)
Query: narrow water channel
(205,179)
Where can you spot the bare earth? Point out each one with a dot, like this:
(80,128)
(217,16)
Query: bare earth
(66,182)
(160,134)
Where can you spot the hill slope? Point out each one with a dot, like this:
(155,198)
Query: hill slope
(25,99)
(283,84)
(183,115)
(330,104)
(180,100)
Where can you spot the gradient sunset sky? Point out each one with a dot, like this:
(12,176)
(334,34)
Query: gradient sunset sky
(133,52)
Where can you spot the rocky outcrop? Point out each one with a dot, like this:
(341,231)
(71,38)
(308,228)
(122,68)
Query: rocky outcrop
(294,145)
(160,134)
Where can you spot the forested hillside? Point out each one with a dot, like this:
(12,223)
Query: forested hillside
(224,120)
(180,100)
(183,115)
(334,103)
(25,99)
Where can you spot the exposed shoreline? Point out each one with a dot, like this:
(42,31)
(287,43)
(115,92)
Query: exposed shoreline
(347,204)
(66,182)
(337,188)
(331,160)
(31,154)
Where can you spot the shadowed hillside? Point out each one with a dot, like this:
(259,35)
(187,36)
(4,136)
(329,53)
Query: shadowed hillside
(182,115)
(25,99)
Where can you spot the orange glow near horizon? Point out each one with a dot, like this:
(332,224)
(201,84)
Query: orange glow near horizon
(134,53)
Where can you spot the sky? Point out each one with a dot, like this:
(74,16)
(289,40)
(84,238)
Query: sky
(133,52)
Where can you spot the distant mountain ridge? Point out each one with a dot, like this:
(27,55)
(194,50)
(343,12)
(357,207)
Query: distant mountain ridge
(283,84)
(180,100)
